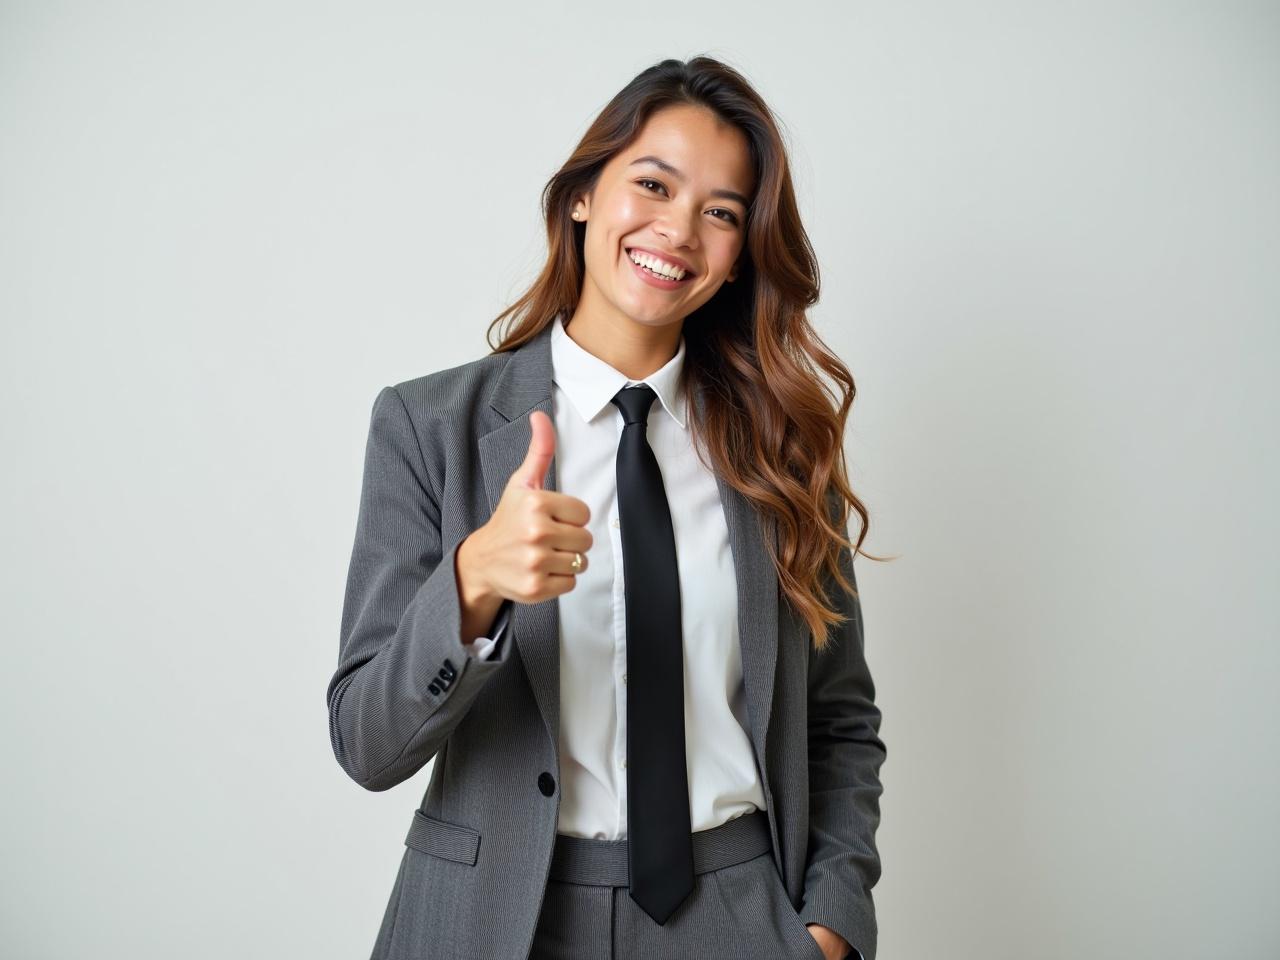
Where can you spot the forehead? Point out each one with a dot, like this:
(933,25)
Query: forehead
(710,152)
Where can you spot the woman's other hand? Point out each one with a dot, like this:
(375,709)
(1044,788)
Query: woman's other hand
(833,945)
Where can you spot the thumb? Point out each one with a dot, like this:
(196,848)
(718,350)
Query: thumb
(542,447)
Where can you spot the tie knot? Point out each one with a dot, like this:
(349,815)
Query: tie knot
(634,402)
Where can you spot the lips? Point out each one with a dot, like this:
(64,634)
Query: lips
(653,280)
(665,257)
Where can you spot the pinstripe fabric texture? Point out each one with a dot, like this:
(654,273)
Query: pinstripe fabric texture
(440,451)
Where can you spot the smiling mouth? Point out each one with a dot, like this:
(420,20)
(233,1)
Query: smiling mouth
(657,279)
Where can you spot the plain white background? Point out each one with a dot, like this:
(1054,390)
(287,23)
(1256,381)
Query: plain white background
(1049,238)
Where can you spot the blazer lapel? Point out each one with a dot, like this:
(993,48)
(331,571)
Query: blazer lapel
(525,385)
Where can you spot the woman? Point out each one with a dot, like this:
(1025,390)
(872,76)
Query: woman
(591,572)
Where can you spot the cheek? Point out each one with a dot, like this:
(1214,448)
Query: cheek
(722,257)
(612,225)
(623,217)
(604,253)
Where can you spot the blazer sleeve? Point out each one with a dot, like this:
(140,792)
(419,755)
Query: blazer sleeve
(845,756)
(404,678)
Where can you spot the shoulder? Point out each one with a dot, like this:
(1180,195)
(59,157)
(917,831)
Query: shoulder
(433,420)
(453,395)
(439,413)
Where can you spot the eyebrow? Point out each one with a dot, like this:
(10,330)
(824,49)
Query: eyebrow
(668,168)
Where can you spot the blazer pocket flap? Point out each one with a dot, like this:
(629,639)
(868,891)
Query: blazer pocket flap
(443,839)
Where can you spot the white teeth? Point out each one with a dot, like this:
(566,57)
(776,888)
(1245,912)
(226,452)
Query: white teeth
(657,266)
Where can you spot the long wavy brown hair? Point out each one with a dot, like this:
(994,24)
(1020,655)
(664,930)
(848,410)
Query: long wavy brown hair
(771,428)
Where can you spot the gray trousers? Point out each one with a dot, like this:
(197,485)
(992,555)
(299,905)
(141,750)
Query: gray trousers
(738,907)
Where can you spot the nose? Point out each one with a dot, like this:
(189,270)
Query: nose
(678,228)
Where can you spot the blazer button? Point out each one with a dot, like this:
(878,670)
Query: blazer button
(547,784)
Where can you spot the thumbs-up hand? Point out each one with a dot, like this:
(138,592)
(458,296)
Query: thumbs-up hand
(525,550)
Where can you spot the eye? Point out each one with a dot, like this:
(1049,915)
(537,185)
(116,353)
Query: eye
(645,180)
(733,217)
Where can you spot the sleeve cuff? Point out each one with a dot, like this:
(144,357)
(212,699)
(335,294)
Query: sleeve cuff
(482,648)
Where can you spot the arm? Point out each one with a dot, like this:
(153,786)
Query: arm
(845,755)
(404,679)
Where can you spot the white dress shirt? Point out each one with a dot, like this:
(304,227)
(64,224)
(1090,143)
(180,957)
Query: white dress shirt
(723,780)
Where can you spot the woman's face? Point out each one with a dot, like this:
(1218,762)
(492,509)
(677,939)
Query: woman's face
(691,213)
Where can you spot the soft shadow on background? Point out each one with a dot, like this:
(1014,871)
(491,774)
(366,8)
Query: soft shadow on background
(1049,236)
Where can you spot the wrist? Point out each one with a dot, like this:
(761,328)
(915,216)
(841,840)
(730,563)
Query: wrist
(473,588)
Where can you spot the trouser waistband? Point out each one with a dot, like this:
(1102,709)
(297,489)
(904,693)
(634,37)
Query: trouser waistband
(604,862)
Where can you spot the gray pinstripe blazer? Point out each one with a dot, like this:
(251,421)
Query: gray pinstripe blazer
(440,451)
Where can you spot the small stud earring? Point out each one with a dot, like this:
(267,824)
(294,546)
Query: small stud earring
(577,215)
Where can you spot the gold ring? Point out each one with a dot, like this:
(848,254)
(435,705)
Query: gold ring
(577,563)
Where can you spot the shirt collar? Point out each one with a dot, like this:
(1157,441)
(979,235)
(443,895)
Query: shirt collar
(591,384)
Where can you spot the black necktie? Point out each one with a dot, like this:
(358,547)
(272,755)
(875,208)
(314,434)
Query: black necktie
(659,845)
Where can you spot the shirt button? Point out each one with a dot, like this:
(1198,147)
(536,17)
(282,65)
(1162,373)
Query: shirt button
(624,678)
(617,522)
(624,764)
